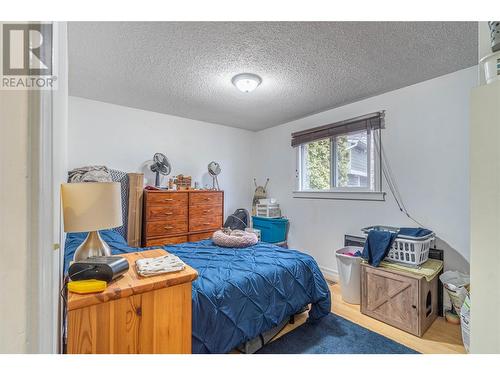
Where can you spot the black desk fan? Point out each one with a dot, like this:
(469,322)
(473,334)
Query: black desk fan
(161,165)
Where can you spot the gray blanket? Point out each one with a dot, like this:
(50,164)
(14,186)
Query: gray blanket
(93,173)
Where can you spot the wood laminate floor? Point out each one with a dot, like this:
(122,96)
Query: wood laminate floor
(441,338)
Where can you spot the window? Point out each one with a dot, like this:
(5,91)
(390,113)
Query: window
(342,163)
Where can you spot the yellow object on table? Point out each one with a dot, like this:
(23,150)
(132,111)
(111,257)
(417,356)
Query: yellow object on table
(429,269)
(87,286)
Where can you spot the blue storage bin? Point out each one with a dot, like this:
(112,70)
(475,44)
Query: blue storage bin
(271,230)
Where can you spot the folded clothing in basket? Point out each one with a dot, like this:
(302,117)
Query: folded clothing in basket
(377,246)
(414,232)
(379,242)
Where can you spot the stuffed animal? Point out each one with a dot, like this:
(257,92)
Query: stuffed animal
(260,193)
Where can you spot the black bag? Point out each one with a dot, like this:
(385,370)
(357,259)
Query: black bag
(239,220)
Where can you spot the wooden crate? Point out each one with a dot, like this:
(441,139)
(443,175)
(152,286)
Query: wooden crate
(403,300)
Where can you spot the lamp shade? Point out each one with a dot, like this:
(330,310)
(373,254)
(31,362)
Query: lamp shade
(91,206)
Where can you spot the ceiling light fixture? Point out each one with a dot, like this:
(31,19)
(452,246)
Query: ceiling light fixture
(246,82)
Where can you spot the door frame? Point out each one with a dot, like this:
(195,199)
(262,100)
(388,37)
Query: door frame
(47,118)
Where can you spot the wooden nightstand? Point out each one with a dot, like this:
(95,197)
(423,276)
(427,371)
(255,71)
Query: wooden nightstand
(134,314)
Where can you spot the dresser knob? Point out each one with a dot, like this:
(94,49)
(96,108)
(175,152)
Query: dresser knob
(168,199)
(167,227)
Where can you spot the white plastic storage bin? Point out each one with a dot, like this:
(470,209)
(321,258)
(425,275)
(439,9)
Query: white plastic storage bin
(268,210)
(349,268)
(491,66)
(407,250)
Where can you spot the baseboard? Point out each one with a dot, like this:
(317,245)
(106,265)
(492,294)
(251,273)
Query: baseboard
(330,273)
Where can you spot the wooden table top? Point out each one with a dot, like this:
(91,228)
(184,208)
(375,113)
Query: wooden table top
(132,283)
(413,273)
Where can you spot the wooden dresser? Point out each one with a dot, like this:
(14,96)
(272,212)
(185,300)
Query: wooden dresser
(171,217)
(134,315)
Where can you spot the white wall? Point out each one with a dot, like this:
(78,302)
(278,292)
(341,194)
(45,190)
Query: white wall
(485,217)
(125,138)
(31,165)
(14,222)
(426,140)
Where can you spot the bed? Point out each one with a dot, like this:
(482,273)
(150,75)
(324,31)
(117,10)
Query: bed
(240,293)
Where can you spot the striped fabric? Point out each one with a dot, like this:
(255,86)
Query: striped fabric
(122,178)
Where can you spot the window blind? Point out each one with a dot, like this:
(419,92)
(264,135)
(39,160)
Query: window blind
(370,121)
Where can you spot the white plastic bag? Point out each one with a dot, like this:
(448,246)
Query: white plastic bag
(465,322)
(456,284)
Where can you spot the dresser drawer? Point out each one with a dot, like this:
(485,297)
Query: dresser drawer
(200,236)
(175,212)
(205,222)
(204,211)
(205,198)
(164,198)
(205,217)
(165,227)
(166,241)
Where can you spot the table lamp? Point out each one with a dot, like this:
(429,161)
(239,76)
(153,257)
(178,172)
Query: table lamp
(90,207)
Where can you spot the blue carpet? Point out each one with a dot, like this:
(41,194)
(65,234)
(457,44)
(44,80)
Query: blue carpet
(334,335)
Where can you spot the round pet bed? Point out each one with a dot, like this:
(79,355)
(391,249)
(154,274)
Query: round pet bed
(234,238)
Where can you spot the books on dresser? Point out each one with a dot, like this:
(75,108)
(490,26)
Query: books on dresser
(171,217)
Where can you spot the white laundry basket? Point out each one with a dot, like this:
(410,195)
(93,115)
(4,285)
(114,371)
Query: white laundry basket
(407,250)
(349,268)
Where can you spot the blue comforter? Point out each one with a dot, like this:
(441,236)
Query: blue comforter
(239,293)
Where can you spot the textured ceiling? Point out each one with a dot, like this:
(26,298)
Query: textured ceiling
(185,69)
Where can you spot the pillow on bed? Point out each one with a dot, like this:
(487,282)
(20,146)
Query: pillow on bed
(234,238)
